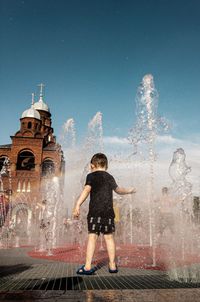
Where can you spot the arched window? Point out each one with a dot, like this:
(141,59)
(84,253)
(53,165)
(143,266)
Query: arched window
(28,186)
(3,164)
(48,167)
(1,187)
(24,186)
(26,161)
(19,186)
(29,125)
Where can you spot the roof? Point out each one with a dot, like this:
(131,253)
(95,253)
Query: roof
(8,146)
(31,112)
(41,105)
(51,148)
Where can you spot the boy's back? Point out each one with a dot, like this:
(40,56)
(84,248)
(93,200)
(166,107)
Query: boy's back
(101,194)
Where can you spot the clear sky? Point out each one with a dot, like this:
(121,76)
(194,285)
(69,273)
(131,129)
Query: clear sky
(92,55)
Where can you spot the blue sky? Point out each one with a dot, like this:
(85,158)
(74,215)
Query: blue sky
(92,55)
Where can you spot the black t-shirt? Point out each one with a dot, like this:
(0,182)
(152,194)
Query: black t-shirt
(101,194)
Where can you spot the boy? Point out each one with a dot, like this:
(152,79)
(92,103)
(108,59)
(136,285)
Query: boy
(100,185)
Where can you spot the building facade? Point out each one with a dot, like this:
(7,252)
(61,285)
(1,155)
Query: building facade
(31,158)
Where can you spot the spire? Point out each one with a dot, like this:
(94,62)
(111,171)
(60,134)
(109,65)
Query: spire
(40,105)
(41,91)
(33,96)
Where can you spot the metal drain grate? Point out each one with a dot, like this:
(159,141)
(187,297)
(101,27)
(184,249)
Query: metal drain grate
(96,282)
(20,272)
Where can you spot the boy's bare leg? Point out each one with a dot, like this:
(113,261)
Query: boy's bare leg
(92,239)
(110,244)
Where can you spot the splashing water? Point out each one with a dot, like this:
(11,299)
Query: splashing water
(5,205)
(143,135)
(186,234)
(69,134)
(148,123)
(93,143)
(94,140)
(51,214)
(78,158)
(180,187)
(143,138)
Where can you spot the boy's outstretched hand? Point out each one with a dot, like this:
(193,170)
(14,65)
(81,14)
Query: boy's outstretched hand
(123,191)
(132,190)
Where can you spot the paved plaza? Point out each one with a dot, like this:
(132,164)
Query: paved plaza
(28,279)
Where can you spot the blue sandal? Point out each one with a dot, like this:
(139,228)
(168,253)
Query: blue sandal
(83,271)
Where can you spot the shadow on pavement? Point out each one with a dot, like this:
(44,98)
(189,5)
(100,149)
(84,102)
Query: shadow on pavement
(13,269)
(95,282)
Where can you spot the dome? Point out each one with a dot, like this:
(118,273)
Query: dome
(31,112)
(40,105)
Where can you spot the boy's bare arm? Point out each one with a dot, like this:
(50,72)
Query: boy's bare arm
(81,199)
(123,191)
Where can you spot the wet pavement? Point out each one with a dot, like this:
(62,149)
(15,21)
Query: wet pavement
(157,295)
(27,279)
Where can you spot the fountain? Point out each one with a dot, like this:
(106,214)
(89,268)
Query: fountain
(93,142)
(146,130)
(51,215)
(185,244)
(143,138)
(180,187)
(68,136)
(6,205)
(151,232)
(77,166)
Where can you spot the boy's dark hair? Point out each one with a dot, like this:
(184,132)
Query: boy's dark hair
(99,159)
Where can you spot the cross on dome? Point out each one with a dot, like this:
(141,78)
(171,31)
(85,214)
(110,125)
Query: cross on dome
(41,105)
(33,96)
(41,89)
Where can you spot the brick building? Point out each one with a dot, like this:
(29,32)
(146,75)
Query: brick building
(33,157)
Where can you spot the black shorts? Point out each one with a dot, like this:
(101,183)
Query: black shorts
(97,225)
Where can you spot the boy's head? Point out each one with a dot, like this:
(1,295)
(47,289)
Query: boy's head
(99,160)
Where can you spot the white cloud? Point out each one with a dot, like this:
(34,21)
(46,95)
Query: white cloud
(167,139)
(116,140)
